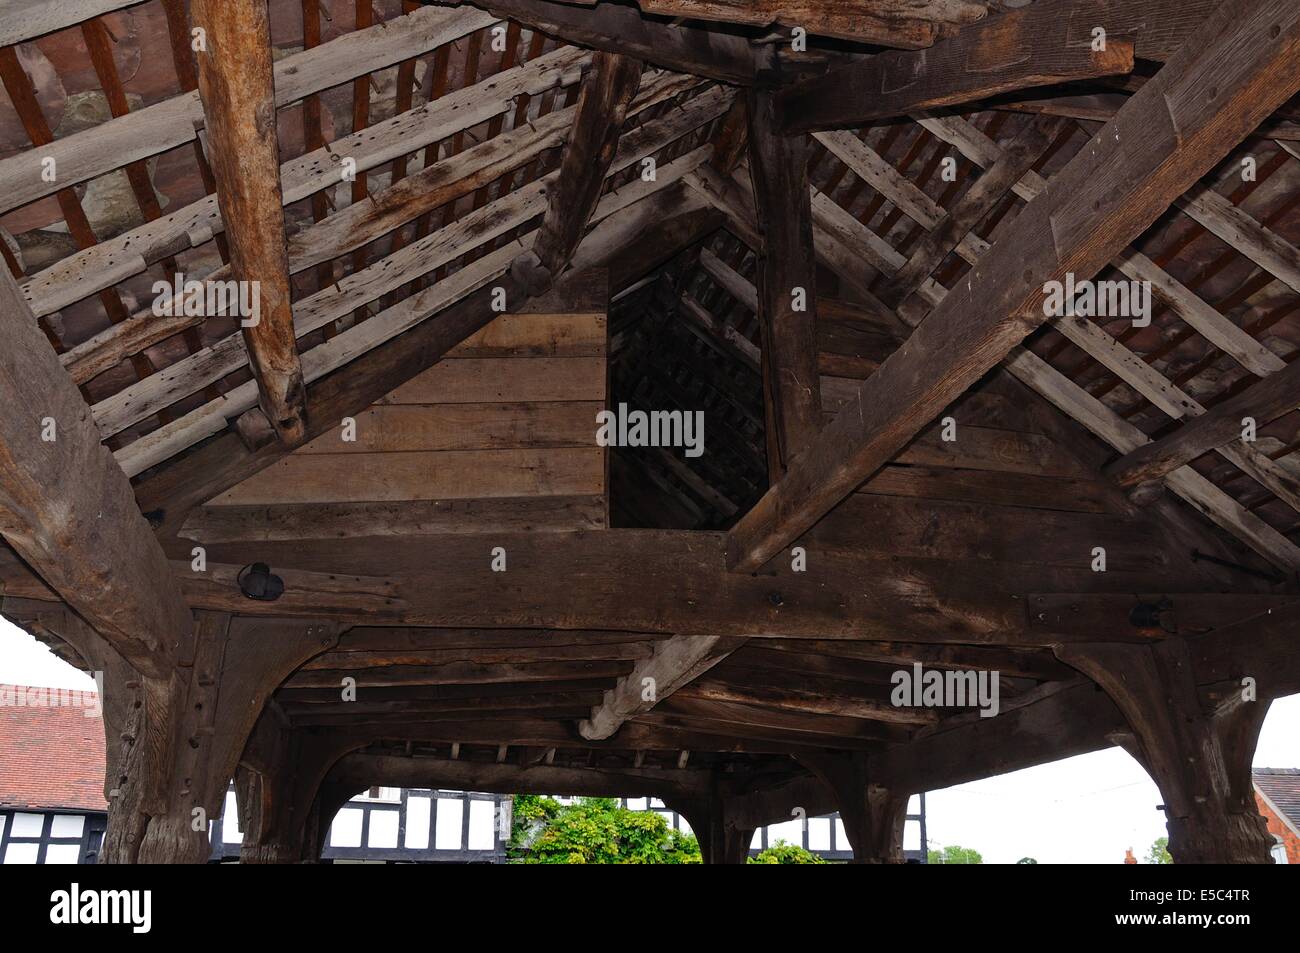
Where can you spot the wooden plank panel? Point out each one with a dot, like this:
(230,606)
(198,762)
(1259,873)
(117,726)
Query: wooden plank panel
(933,529)
(537,335)
(989,448)
(466,475)
(979,486)
(222,524)
(491,380)
(405,427)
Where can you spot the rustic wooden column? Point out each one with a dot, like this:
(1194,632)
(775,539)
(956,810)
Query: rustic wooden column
(287,796)
(272,820)
(722,840)
(212,707)
(1200,759)
(873,815)
(329,799)
(786,285)
(266,818)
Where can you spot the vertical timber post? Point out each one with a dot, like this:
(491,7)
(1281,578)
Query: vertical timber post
(873,815)
(1198,758)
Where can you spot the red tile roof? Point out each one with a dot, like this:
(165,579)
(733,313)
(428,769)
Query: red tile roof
(1282,787)
(50,757)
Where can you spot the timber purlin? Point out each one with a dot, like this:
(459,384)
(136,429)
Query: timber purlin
(828,227)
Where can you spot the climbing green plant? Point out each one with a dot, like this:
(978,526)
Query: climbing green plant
(594,831)
(783,853)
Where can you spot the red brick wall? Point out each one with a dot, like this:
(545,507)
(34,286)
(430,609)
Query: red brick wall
(1276,827)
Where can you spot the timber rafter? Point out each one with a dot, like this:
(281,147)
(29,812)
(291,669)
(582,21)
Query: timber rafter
(680,170)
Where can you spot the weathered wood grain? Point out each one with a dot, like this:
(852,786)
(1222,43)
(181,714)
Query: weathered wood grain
(66,507)
(1168,135)
(786,285)
(236,87)
(172,122)
(1043,44)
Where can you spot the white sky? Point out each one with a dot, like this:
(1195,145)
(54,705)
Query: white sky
(1081,810)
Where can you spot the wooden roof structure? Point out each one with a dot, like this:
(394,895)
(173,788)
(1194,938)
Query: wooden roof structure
(832,227)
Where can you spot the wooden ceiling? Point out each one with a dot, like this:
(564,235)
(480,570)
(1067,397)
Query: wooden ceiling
(923,209)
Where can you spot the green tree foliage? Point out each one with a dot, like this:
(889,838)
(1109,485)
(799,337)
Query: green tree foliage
(953,854)
(594,831)
(1159,852)
(783,853)
(1026,860)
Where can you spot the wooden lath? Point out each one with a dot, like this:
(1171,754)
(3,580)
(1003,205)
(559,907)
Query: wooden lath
(23,20)
(172,122)
(851,250)
(1278,478)
(388,274)
(983,151)
(795,503)
(309,175)
(23,95)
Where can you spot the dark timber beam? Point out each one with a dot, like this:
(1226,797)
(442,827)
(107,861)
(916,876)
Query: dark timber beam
(1271,398)
(722,838)
(682,586)
(1200,760)
(67,507)
(1047,43)
(236,85)
(910,24)
(366,770)
(675,663)
(602,107)
(873,816)
(1017,158)
(1073,718)
(1261,648)
(618,29)
(545,733)
(1233,72)
(787,293)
